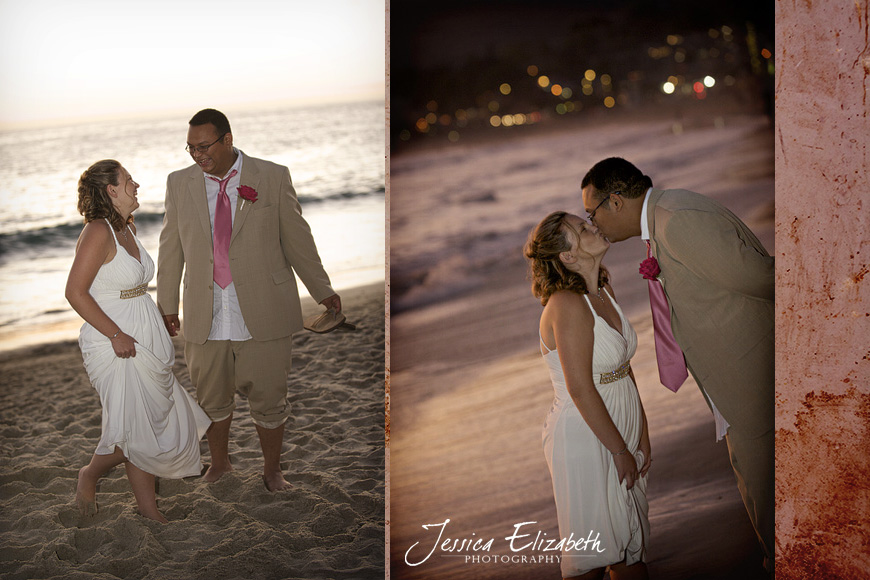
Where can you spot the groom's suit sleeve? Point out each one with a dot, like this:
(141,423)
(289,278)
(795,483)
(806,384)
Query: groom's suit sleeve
(170,256)
(298,244)
(711,247)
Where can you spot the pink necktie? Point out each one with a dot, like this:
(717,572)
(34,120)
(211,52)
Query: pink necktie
(672,363)
(223,229)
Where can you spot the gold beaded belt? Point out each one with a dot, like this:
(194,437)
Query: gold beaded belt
(614,376)
(134,292)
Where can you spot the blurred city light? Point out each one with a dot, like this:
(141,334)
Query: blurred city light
(683,58)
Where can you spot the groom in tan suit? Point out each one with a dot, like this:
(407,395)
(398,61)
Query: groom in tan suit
(241,304)
(719,281)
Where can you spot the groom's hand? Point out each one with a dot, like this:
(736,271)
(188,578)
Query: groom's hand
(172,323)
(333,301)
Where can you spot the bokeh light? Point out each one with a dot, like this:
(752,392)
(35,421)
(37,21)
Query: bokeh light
(668,88)
(709,81)
(609,102)
(532,70)
(505,89)
(589,75)
(543,81)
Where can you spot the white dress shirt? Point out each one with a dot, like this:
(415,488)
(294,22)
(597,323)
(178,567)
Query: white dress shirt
(721,423)
(227,322)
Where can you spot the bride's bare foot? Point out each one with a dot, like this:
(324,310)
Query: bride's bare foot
(214,472)
(275,481)
(86,493)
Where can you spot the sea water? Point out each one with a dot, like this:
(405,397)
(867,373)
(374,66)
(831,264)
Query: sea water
(335,154)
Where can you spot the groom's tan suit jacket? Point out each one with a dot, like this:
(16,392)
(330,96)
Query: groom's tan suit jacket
(719,281)
(270,239)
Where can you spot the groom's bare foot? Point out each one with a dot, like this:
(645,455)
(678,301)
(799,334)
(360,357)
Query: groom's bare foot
(275,481)
(214,472)
(86,493)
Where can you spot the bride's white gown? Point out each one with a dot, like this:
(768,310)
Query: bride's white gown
(590,501)
(146,412)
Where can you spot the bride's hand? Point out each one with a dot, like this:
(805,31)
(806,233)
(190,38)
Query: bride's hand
(647,455)
(124,345)
(626,469)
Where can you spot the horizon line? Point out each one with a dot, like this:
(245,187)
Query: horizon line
(175,111)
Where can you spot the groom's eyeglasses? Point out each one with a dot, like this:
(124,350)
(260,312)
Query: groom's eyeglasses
(591,215)
(201,148)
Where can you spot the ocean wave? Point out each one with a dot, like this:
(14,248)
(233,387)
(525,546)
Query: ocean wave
(340,196)
(58,235)
(67,233)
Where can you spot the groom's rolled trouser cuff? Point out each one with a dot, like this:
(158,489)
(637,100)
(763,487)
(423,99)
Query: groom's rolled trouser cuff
(257,369)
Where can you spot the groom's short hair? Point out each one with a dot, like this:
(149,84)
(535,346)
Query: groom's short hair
(616,174)
(213,116)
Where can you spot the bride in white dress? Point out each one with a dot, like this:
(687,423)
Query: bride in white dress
(149,422)
(595,437)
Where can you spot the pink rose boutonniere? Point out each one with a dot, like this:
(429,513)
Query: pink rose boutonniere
(649,268)
(247,194)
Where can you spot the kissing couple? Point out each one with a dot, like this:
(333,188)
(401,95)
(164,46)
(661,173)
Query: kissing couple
(711,286)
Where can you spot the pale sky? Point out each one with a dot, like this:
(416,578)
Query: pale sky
(72,59)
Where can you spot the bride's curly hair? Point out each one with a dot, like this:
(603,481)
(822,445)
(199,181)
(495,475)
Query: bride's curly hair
(94,201)
(547,272)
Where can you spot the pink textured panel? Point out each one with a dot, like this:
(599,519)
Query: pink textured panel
(823,299)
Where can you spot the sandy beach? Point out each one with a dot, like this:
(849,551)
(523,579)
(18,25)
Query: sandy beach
(331,524)
(469,391)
